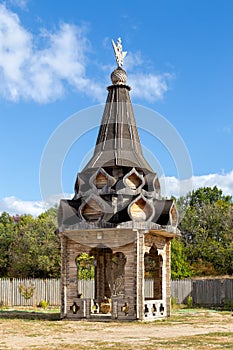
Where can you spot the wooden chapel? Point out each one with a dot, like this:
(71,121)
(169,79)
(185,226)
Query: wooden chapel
(118,220)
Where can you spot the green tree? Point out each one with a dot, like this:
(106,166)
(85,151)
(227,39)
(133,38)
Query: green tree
(180,268)
(207,196)
(207,231)
(7,233)
(23,251)
(49,261)
(35,251)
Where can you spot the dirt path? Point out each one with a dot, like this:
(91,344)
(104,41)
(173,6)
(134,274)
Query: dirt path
(40,334)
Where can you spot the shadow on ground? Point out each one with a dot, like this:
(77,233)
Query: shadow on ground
(29,315)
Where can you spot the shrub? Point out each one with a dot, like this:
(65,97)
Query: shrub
(228,305)
(44,304)
(26,292)
(189,301)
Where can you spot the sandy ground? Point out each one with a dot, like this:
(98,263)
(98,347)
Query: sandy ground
(43,334)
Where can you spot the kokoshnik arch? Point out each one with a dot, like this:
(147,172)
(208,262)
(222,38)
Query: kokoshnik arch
(118,221)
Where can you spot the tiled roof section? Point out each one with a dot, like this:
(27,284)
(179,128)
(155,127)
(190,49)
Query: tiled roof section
(118,142)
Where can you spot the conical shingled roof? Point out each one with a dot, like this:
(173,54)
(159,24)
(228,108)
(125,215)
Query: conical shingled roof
(118,142)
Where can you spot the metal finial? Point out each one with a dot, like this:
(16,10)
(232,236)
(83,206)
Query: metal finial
(120,55)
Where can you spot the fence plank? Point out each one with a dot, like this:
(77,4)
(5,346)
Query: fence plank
(180,290)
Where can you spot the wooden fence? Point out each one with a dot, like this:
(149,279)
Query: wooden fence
(43,289)
(204,292)
(181,289)
(212,291)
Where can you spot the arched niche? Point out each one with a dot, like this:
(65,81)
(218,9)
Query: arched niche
(85,273)
(101,179)
(103,260)
(140,209)
(153,263)
(91,210)
(133,180)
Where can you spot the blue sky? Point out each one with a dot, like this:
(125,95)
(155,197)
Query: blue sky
(56,59)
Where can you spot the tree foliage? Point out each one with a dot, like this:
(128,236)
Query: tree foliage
(207,231)
(7,229)
(29,246)
(86,266)
(180,267)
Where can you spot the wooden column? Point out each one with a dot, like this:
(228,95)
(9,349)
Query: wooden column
(140,275)
(64,269)
(168,276)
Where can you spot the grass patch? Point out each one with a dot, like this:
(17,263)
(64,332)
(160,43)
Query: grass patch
(216,340)
(30,314)
(212,341)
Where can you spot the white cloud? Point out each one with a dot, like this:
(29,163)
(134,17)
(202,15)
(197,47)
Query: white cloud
(171,186)
(223,181)
(145,86)
(149,87)
(132,60)
(13,205)
(30,73)
(42,74)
